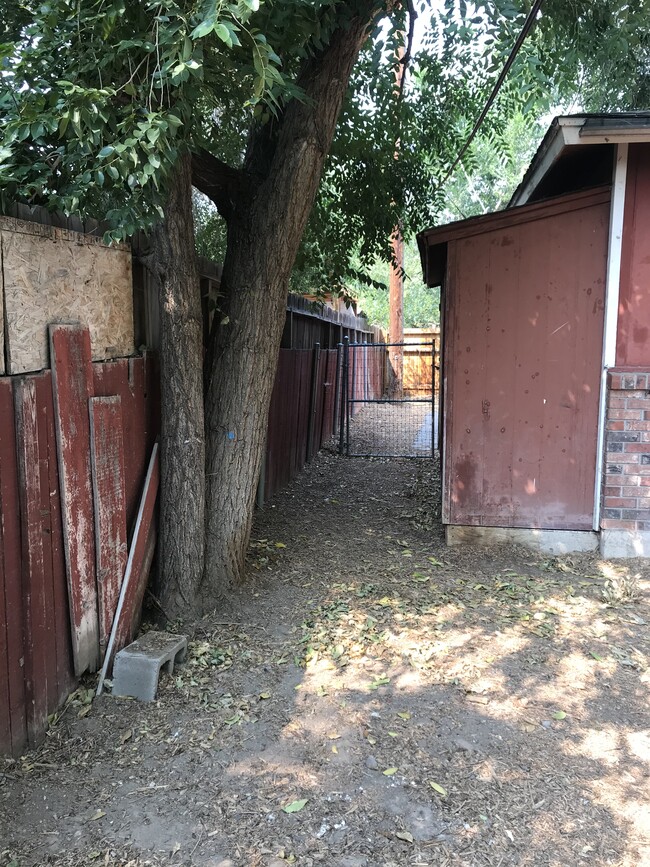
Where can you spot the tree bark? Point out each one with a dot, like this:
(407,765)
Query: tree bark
(265,228)
(181,537)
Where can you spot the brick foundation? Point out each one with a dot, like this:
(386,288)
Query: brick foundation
(626,484)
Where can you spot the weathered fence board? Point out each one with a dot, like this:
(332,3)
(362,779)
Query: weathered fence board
(47,641)
(36,668)
(303,360)
(13,732)
(45,622)
(302,412)
(279,444)
(72,388)
(135,381)
(107,460)
(295,393)
(61,648)
(36,604)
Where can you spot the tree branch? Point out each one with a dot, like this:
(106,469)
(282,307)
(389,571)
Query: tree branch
(217,180)
(405,60)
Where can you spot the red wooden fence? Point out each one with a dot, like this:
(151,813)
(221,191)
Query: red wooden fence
(301,417)
(36,666)
(305,405)
(286,446)
(36,660)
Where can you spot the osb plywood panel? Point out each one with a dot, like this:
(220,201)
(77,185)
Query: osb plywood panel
(55,275)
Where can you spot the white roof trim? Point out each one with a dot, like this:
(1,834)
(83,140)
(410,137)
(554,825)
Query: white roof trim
(615,135)
(565,132)
(568,131)
(553,151)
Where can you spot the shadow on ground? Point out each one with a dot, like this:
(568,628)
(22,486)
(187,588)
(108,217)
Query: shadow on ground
(412,704)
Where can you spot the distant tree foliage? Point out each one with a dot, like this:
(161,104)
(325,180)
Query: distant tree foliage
(209,229)
(421,303)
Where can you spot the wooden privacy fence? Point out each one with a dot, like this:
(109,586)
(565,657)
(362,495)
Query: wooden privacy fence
(418,366)
(75,445)
(37,668)
(305,407)
(367,374)
(301,415)
(309,322)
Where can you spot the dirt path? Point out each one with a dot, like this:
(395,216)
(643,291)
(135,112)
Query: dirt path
(420,705)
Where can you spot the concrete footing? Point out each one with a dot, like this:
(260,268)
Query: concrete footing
(544,541)
(137,667)
(624,543)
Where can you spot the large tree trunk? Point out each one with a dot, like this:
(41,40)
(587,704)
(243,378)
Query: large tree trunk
(266,222)
(181,535)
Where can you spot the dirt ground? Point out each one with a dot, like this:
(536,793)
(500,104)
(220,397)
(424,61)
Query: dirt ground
(370,697)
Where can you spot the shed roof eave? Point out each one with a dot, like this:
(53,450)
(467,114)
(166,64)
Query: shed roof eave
(439,236)
(549,150)
(579,129)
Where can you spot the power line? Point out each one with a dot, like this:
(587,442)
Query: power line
(528,23)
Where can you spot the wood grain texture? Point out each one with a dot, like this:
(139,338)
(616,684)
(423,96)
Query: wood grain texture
(13,731)
(34,572)
(60,617)
(72,383)
(107,460)
(126,378)
(56,276)
(35,633)
(46,639)
(5,716)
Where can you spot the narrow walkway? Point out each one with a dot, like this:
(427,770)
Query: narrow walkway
(368,698)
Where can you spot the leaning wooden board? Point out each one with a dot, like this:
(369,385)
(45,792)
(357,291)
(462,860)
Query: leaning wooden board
(107,459)
(72,385)
(13,732)
(36,576)
(137,569)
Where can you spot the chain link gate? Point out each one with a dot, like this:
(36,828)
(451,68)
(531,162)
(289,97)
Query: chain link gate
(379,419)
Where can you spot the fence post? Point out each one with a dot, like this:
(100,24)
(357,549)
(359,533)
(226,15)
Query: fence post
(344,392)
(312,401)
(353,391)
(433,397)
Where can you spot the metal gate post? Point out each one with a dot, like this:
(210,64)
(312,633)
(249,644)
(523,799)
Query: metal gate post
(433,398)
(353,389)
(337,390)
(344,392)
(312,402)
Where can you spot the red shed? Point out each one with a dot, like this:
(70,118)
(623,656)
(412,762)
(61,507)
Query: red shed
(545,421)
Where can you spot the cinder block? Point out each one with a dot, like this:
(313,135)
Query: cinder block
(136,668)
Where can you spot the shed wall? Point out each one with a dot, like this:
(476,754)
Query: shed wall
(633,338)
(524,326)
